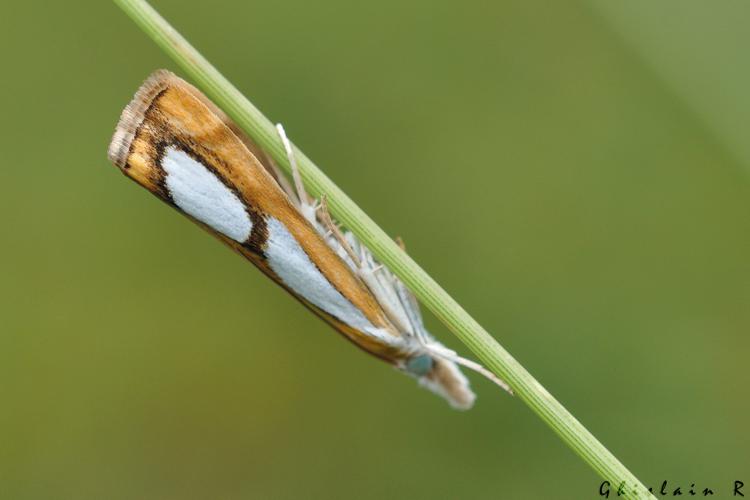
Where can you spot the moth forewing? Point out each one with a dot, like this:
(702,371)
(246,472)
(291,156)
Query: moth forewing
(177,144)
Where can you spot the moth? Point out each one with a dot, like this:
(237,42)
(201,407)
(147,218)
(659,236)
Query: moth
(172,140)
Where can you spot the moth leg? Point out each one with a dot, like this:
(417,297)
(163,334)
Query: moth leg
(281,179)
(305,202)
(366,269)
(400,243)
(411,305)
(363,264)
(325,217)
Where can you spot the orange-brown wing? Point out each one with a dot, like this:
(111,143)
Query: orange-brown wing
(173,142)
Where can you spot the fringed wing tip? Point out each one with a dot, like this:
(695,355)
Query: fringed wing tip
(134,113)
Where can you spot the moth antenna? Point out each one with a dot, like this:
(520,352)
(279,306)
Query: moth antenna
(301,193)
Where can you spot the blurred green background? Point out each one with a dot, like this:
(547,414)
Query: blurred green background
(576,174)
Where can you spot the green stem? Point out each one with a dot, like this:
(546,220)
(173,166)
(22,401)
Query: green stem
(471,333)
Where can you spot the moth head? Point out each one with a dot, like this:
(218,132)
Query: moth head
(442,377)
